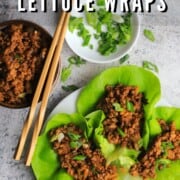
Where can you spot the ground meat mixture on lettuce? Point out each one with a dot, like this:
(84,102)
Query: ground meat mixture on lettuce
(166,148)
(78,156)
(123,107)
(22,55)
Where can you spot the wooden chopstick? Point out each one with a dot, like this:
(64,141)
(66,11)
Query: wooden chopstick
(29,120)
(47,91)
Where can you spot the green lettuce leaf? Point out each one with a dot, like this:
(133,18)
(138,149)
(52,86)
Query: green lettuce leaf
(92,18)
(169,173)
(123,157)
(106,148)
(93,121)
(169,114)
(147,82)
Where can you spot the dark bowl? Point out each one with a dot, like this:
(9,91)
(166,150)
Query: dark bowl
(23,49)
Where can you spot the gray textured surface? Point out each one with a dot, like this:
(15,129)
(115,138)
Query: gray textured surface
(164,52)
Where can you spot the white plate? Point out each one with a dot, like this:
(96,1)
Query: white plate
(92,55)
(67,105)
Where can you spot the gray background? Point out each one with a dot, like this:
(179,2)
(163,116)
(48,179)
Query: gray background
(164,52)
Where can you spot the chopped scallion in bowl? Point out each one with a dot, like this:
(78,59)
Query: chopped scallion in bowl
(102,36)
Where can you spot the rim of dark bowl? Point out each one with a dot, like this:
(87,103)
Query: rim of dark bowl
(41,29)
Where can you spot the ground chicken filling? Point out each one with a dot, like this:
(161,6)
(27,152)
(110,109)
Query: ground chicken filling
(22,55)
(78,156)
(164,150)
(123,107)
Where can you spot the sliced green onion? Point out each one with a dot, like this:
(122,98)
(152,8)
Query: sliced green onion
(76,60)
(124,59)
(92,18)
(66,72)
(58,137)
(149,35)
(84,34)
(117,18)
(117,107)
(91,46)
(79,158)
(121,133)
(130,106)
(74,23)
(100,2)
(162,163)
(75,144)
(165,146)
(73,136)
(150,66)
(70,88)
(54,138)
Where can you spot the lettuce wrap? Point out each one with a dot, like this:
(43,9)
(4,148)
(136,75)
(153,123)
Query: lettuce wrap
(147,83)
(45,163)
(168,114)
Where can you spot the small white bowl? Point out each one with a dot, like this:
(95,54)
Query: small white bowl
(92,55)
